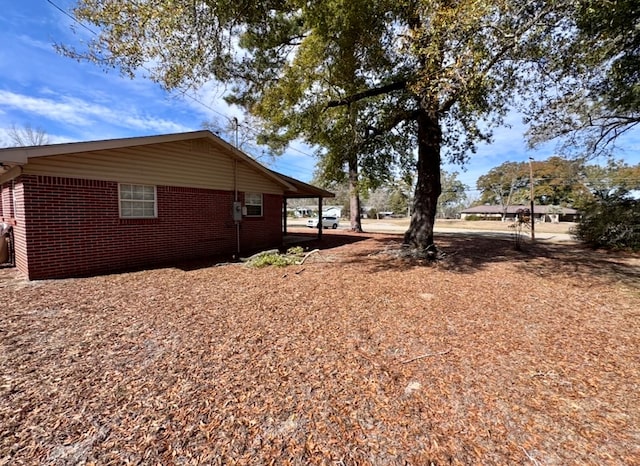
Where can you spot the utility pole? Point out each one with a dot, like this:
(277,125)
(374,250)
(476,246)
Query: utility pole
(533,218)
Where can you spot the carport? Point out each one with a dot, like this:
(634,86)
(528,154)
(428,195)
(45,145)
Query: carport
(302,191)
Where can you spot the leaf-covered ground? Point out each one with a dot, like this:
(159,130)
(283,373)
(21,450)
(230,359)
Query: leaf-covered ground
(491,356)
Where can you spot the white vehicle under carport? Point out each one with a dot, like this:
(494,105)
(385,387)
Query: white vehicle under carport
(327,222)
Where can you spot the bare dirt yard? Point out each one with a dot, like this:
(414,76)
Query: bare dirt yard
(356,357)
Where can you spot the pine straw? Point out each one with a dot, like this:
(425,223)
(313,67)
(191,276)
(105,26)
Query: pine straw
(487,357)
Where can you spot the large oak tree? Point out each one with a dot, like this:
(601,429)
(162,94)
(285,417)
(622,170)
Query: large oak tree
(361,79)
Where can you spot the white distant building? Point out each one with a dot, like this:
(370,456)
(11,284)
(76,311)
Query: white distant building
(311,211)
(332,211)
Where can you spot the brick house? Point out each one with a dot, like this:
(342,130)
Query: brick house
(97,207)
(542,213)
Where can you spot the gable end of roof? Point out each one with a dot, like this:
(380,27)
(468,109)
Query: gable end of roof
(12,156)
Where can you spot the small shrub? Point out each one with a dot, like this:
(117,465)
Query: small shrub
(520,223)
(274,258)
(295,251)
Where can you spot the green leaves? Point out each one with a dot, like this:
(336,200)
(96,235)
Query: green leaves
(504,185)
(453,195)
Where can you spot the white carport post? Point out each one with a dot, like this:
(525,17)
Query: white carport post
(320,218)
(284,215)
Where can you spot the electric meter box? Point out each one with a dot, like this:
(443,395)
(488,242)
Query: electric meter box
(237,211)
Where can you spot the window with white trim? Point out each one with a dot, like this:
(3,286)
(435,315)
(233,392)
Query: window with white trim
(253,204)
(137,201)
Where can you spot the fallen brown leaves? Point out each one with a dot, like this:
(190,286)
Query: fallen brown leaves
(487,357)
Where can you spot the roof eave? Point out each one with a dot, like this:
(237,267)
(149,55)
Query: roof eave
(22,155)
(303,190)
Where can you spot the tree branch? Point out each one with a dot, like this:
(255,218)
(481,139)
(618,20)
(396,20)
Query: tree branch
(398,118)
(612,128)
(395,86)
(510,43)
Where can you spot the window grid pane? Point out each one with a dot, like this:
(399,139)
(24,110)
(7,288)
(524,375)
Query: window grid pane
(137,201)
(253,204)
(254,210)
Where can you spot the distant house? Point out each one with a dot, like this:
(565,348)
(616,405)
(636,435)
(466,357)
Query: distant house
(312,211)
(95,207)
(332,211)
(302,212)
(542,213)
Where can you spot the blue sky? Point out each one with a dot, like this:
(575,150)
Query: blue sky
(74,101)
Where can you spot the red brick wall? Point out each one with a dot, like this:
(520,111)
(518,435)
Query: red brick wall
(73,228)
(258,233)
(6,206)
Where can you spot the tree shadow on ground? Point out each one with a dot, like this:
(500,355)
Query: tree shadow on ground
(463,253)
(579,261)
(330,240)
(470,253)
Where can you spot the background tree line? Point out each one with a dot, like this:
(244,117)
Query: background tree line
(557,181)
(608,196)
(396,195)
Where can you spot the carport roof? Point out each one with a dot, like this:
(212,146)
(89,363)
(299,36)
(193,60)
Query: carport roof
(303,190)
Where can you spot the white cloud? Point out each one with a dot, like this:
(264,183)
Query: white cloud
(208,100)
(30,42)
(81,113)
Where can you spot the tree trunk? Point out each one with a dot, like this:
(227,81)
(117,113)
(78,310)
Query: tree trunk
(354,196)
(420,233)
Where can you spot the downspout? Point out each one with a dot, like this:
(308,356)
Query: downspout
(235,202)
(235,190)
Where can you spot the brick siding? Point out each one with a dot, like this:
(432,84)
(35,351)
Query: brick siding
(6,206)
(72,228)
